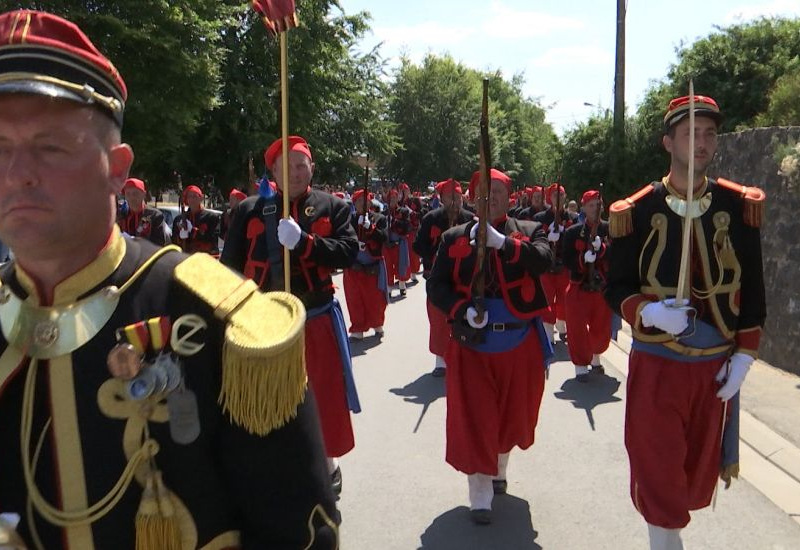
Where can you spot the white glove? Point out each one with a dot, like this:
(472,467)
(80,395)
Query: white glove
(364,222)
(494,239)
(472,314)
(553,236)
(665,316)
(361,246)
(186,229)
(739,365)
(289,233)
(596,243)
(589,256)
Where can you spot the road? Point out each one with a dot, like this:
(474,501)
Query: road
(569,491)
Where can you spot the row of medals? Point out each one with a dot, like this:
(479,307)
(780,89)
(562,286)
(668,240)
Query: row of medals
(162,376)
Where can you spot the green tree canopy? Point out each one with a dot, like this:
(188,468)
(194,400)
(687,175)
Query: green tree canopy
(436,109)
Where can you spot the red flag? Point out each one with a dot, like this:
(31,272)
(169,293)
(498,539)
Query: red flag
(277,15)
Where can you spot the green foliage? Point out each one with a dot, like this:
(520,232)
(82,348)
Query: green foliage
(784,101)
(436,109)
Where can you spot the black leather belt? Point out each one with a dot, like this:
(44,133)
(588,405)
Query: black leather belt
(502,327)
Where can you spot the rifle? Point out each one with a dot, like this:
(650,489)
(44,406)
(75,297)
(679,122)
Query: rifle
(452,212)
(361,230)
(183,213)
(251,169)
(482,207)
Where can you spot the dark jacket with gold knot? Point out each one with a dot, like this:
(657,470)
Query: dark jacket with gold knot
(726,277)
(373,238)
(433,225)
(147,224)
(328,242)
(577,240)
(204,234)
(548,220)
(512,272)
(225,486)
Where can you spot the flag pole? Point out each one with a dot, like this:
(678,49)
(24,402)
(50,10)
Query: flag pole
(287,268)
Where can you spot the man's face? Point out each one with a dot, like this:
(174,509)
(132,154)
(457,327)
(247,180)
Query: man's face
(452,200)
(301,170)
(592,209)
(194,200)
(60,171)
(135,198)
(393,200)
(705,143)
(557,199)
(498,200)
(537,199)
(359,204)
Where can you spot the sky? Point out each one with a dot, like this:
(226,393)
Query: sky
(564,48)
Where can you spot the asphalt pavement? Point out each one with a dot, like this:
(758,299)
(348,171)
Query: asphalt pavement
(570,490)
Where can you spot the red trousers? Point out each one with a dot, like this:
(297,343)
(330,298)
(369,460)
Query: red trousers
(673,428)
(588,324)
(493,403)
(440,330)
(414,260)
(326,378)
(366,303)
(392,256)
(555,290)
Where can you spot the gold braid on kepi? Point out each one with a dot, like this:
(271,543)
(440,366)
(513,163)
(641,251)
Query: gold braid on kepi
(263,358)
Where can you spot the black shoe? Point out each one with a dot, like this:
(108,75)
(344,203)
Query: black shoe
(438,372)
(481,516)
(598,369)
(500,486)
(583,378)
(402,292)
(336,481)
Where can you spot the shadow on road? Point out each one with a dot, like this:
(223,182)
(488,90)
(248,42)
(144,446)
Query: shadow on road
(511,529)
(423,391)
(360,347)
(598,390)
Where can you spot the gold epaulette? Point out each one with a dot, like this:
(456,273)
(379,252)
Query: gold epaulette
(754,201)
(263,358)
(620,214)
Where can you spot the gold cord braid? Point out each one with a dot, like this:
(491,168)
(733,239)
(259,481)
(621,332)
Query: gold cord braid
(145,453)
(49,512)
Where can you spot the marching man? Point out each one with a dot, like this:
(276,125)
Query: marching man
(196,229)
(318,232)
(433,225)
(495,364)
(555,282)
(142,220)
(688,359)
(589,317)
(365,286)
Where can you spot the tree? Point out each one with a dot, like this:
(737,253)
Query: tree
(337,100)
(436,108)
(784,107)
(168,54)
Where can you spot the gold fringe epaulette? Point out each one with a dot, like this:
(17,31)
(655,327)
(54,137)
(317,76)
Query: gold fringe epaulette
(263,359)
(620,214)
(754,201)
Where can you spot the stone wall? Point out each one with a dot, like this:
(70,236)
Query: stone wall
(749,158)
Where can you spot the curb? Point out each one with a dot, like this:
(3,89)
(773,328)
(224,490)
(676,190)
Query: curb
(767,460)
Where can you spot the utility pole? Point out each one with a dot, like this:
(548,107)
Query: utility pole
(618,154)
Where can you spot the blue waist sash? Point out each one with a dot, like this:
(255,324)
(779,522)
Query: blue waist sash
(333,309)
(365,258)
(500,341)
(705,336)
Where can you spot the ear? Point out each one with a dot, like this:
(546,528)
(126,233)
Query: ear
(120,159)
(666,141)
